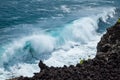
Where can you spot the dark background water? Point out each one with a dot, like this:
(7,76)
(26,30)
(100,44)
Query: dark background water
(13,12)
(18,18)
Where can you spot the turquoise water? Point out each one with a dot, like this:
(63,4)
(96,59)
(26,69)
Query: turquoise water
(59,32)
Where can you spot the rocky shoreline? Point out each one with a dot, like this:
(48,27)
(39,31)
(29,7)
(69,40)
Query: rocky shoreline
(105,66)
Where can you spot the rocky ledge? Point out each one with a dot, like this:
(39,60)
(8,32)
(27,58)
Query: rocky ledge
(105,66)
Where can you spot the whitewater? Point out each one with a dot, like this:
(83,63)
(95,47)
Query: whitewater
(59,40)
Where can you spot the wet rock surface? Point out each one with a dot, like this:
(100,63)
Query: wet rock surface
(105,66)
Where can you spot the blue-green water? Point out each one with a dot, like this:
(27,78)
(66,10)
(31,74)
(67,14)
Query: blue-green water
(59,32)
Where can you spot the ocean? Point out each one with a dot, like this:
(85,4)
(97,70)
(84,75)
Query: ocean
(58,32)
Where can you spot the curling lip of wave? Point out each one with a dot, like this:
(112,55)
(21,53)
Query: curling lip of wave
(61,46)
(75,32)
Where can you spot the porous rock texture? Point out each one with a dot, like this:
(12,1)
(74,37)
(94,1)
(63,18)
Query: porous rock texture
(105,66)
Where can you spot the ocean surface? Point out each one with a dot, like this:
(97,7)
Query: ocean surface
(58,32)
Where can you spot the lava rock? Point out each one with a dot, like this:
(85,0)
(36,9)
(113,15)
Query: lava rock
(105,66)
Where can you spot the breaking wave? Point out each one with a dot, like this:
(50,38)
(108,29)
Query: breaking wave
(64,46)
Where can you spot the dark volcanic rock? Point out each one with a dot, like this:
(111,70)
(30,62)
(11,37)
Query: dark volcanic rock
(110,38)
(42,65)
(105,66)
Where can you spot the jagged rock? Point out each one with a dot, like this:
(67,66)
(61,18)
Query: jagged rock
(105,66)
(42,65)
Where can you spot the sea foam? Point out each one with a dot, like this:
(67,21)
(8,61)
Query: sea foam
(76,40)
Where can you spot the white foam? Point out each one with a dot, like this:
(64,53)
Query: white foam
(77,40)
(79,31)
(39,43)
(74,35)
(24,69)
(65,8)
(3,74)
(73,55)
(19,70)
(107,13)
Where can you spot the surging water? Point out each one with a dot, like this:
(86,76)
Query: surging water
(57,32)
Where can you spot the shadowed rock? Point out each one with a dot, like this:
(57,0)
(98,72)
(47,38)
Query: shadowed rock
(42,65)
(105,66)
